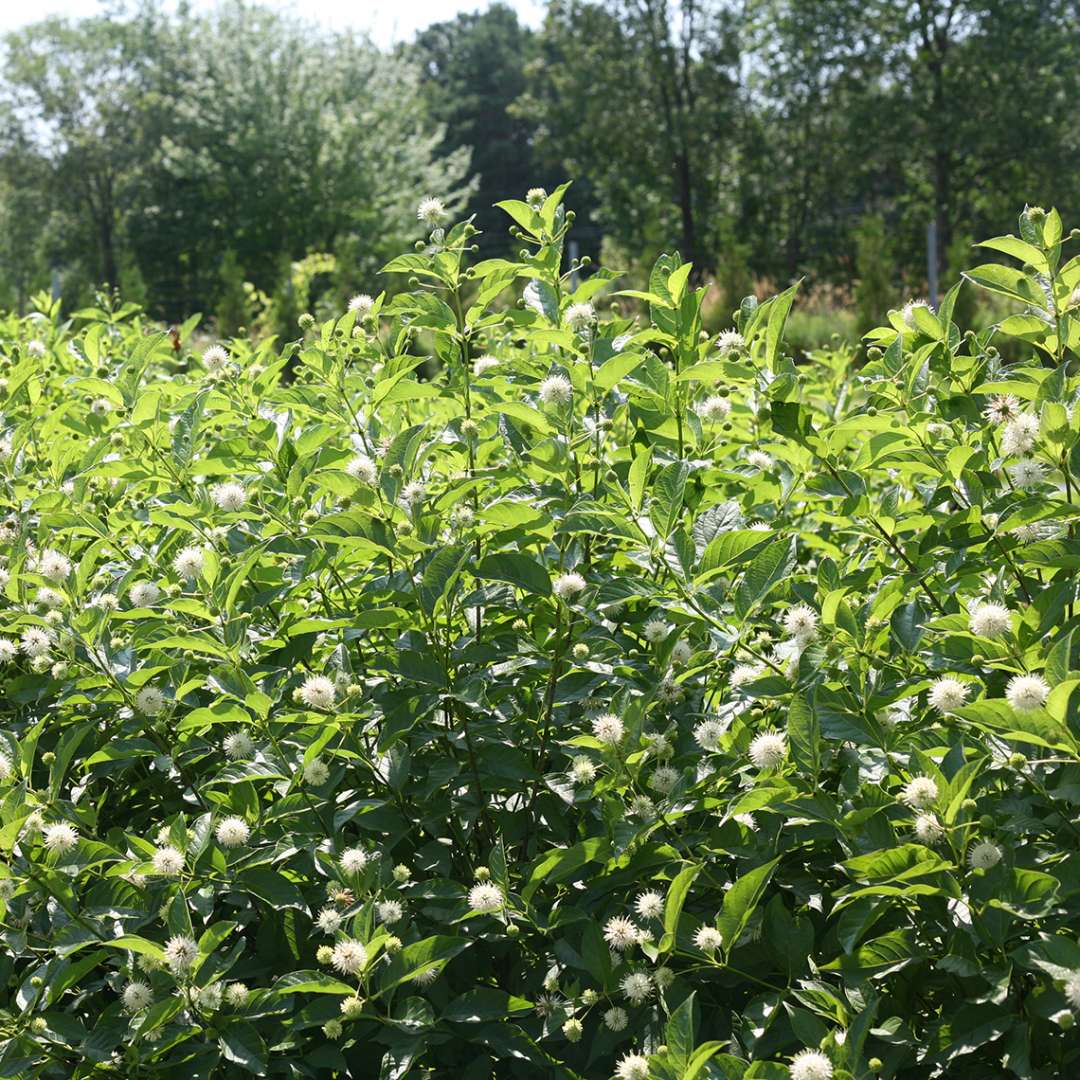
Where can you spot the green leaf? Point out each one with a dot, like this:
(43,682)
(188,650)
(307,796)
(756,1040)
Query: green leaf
(779,307)
(678,891)
(804,734)
(611,371)
(241,1044)
(439,574)
(311,982)
(484,1003)
(1005,281)
(770,566)
(639,471)
(668,488)
(679,1035)
(519,570)
(560,863)
(740,901)
(420,957)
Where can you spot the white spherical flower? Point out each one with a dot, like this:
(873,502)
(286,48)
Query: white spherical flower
(811,1065)
(989,620)
(928,830)
(984,855)
(36,349)
(144,594)
(632,1066)
(608,728)
(8,650)
(49,598)
(7,770)
(105,601)
(643,807)
(556,391)
(1026,473)
(620,933)
(1025,693)
(708,734)
(426,977)
(232,832)
(353,860)
(180,953)
(536,197)
(681,652)
(660,747)
(209,997)
(768,749)
(54,565)
(411,494)
(801,622)
(714,409)
(616,1019)
(758,459)
(318,692)
(708,939)
(361,304)
(352,1007)
(101,406)
(329,920)
(238,746)
(747,821)
(579,316)
(744,673)
(664,779)
(389,912)
(567,586)
(230,496)
(431,211)
(1002,408)
(215,359)
(349,956)
(1072,989)
(649,905)
(948,694)
(168,861)
(730,341)
(655,630)
(1020,435)
(137,996)
(189,563)
(316,772)
(150,701)
(60,838)
(907,312)
(362,468)
(486,896)
(483,364)
(919,792)
(236,994)
(582,770)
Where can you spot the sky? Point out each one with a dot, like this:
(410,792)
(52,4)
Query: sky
(388,21)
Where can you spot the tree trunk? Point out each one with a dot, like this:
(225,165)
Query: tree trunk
(109,272)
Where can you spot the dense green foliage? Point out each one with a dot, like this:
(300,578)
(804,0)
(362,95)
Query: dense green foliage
(175,153)
(592,695)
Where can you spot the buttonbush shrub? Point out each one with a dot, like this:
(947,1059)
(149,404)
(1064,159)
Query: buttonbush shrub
(508,678)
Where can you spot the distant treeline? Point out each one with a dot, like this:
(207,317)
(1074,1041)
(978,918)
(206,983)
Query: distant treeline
(245,164)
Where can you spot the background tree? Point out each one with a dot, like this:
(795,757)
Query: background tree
(638,96)
(472,70)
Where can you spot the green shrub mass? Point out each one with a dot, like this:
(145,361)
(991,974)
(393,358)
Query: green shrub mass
(493,687)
